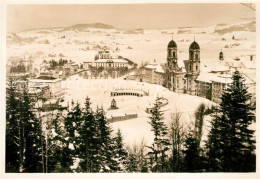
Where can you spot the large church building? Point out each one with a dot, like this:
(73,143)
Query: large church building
(186,76)
(182,79)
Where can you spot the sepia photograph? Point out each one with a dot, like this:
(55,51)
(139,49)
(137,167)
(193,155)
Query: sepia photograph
(117,87)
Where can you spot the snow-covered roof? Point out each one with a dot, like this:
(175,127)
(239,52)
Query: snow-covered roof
(250,64)
(206,77)
(44,81)
(151,66)
(159,69)
(38,85)
(129,91)
(222,79)
(34,91)
(51,101)
(156,67)
(181,63)
(220,66)
(248,80)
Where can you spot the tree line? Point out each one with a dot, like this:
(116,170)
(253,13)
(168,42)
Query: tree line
(80,139)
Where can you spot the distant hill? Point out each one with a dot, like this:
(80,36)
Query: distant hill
(223,28)
(92,25)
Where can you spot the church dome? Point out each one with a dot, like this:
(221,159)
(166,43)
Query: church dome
(194,46)
(172,44)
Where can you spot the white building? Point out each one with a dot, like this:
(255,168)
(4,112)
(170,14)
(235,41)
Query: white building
(86,65)
(111,63)
(106,60)
(154,73)
(55,86)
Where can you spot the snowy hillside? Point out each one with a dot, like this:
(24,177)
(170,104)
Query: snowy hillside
(77,89)
(81,42)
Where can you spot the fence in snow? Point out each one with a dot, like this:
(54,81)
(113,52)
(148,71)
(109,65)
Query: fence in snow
(122,118)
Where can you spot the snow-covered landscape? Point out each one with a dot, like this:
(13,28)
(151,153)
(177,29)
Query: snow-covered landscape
(80,42)
(91,96)
(133,130)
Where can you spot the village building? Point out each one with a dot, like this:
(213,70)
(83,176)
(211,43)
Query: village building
(74,67)
(154,73)
(185,76)
(106,60)
(55,86)
(87,65)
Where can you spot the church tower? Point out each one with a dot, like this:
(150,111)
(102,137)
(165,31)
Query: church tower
(172,55)
(193,68)
(221,56)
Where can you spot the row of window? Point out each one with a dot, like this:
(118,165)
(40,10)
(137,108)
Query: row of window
(192,56)
(196,68)
(172,54)
(110,65)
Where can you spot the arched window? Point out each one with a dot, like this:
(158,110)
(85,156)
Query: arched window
(196,56)
(173,54)
(196,67)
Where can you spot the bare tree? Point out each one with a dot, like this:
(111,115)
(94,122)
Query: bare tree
(199,117)
(249,5)
(176,137)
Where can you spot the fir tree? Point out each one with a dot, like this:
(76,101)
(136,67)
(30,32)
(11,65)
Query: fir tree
(24,134)
(160,146)
(12,137)
(58,154)
(213,144)
(89,141)
(120,152)
(105,145)
(73,122)
(191,152)
(31,130)
(230,132)
(132,159)
(238,116)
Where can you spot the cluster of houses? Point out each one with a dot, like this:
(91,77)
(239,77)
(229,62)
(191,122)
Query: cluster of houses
(190,77)
(44,82)
(181,76)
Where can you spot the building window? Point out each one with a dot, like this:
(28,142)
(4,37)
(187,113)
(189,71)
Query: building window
(190,67)
(196,56)
(196,67)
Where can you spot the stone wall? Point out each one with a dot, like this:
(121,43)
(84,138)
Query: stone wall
(121,118)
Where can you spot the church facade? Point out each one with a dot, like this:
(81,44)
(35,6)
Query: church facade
(187,76)
(182,79)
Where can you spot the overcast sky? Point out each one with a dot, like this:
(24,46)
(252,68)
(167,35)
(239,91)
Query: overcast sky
(23,17)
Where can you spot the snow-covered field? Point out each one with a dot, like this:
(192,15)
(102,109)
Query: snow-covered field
(82,44)
(147,45)
(77,89)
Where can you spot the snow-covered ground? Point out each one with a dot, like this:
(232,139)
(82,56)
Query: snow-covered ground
(82,44)
(77,89)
